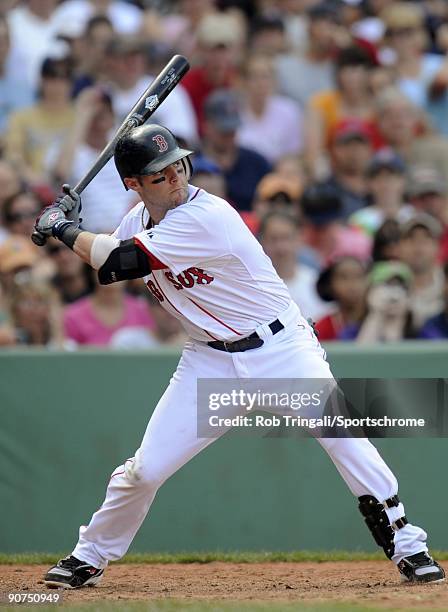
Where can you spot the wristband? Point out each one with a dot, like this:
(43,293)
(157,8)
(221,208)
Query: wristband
(66,232)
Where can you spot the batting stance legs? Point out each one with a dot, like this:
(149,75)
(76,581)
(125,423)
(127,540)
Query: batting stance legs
(171,440)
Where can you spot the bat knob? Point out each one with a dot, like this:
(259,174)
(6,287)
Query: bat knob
(38,238)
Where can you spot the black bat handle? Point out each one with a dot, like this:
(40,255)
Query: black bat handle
(38,238)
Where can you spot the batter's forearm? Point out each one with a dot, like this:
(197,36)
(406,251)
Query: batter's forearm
(83,246)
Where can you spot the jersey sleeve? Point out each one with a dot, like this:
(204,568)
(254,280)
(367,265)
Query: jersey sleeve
(130,224)
(188,236)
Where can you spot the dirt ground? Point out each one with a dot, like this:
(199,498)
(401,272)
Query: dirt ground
(374,583)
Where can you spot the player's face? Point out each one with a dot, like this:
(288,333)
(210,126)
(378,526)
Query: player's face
(165,189)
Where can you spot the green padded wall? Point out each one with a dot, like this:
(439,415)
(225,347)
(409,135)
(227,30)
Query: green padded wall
(68,419)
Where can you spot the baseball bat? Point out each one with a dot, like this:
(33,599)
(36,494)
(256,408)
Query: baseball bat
(146,106)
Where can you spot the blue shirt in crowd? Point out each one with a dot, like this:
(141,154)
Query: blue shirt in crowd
(435,328)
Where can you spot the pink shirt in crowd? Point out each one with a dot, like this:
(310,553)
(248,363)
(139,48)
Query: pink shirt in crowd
(82,326)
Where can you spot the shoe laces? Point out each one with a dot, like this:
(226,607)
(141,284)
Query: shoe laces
(420,559)
(70,562)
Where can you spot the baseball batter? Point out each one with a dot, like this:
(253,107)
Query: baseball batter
(198,258)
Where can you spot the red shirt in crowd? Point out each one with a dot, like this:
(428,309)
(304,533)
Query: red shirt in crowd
(330,327)
(198,86)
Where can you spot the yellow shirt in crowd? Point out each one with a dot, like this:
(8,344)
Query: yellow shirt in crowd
(31,131)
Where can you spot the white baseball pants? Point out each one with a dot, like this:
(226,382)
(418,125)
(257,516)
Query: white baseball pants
(171,440)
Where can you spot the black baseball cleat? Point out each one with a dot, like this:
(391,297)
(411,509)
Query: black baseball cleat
(421,568)
(71,573)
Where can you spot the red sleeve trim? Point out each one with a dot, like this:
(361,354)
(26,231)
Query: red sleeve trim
(156,264)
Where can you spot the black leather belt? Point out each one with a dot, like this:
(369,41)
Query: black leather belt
(246,344)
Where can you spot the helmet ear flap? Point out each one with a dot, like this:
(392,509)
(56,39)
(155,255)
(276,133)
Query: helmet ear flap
(188,167)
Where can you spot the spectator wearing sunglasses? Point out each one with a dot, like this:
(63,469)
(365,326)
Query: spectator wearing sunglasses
(73,279)
(19,212)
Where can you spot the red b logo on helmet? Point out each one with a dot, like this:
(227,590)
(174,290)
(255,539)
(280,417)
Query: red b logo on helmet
(161,143)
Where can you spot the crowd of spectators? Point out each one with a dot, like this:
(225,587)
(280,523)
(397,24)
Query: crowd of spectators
(324,123)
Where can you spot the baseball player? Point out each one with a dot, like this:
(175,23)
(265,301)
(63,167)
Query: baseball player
(198,258)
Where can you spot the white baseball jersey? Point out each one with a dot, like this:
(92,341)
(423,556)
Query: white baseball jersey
(212,274)
(208,269)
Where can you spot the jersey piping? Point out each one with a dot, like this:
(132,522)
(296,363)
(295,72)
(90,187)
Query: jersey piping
(193,197)
(173,306)
(213,316)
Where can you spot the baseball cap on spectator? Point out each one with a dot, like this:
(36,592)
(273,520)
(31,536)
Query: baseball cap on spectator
(324,10)
(351,129)
(16,252)
(424,181)
(266,22)
(321,204)
(222,108)
(220,29)
(385,271)
(401,16)
(425,221)
(353,56)
(120,46)
(204,165)
(349,241)
(275,187)
(56,68)
(386,159)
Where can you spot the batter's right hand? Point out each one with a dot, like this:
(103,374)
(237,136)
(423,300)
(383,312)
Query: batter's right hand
(70,204)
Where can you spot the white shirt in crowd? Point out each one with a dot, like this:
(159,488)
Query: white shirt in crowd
(278,132)
(208,269)
(302,287)
(426,302)
(126,18)
(105,201)
(176,112)
(32,39)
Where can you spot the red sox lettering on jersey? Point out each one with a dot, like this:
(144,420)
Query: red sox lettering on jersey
(187,279)
(208,270)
